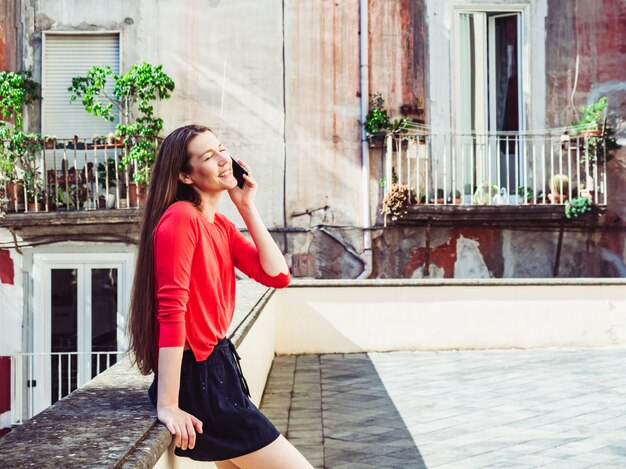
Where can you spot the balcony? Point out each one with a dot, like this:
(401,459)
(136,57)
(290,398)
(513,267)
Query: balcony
(71,175)
(492,178)
(41,379)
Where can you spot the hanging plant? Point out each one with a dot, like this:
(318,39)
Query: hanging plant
(396,201)
(577,206)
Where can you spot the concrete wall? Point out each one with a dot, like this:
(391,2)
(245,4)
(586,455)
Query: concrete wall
(483,252)
(587,60)
(425,315)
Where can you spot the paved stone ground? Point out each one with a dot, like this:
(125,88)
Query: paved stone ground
(550,408)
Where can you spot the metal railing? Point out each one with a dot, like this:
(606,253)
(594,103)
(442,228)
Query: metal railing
(501,168)
(69,174)
(38,380)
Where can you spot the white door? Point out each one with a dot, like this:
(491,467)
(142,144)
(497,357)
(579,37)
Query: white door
(79,313)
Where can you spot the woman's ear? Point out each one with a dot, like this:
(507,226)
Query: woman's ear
(185,179)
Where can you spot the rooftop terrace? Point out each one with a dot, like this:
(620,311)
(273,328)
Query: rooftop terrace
(390,374)
(455,409)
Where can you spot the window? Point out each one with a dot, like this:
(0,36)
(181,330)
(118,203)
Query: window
(489,97)
(66,56)
(489,65)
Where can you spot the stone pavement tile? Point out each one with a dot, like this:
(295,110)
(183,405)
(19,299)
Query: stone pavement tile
(306,441)
(312,435)
(346,465)
(600,456)
(448,456)
(513,404)
(567,463)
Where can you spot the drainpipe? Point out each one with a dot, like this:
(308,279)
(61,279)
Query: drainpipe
(365,154)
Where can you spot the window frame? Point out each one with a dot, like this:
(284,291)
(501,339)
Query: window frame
(45,35)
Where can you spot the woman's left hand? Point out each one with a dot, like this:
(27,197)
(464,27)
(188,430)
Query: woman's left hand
(244,197)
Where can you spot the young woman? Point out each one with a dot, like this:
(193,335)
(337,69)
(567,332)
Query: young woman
(183,301)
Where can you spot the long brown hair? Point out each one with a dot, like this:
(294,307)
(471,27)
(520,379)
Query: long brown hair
(165,189)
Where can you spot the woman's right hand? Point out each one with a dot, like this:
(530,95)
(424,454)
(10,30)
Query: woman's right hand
(181,425)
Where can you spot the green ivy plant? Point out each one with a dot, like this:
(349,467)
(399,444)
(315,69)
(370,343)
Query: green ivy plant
(577,206)
(133,95)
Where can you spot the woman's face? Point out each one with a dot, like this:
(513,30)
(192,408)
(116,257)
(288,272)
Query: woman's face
(211,168)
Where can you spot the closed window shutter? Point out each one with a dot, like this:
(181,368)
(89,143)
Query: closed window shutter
(65,57)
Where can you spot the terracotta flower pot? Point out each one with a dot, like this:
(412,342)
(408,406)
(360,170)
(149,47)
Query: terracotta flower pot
(137,194)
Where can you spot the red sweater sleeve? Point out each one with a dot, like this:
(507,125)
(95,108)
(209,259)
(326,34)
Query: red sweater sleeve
(246,259)
(175,239)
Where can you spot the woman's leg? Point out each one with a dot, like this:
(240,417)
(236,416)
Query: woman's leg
(277,455)
(226,465)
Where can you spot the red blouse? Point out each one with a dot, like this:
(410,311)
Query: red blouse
(194,269)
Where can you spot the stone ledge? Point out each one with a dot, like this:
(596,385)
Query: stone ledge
(455,282)
(110,421)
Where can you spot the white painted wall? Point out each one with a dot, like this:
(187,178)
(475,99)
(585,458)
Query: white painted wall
(11,303)
(454,315)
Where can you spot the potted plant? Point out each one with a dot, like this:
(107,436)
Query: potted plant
(107,181)
(439,197)
(559,189)
(577,206)
(378,124)
(456,197)
(525,194)
(134,94)
(377,120)
(17,90)
(598,138)
(50,142)
(485,193)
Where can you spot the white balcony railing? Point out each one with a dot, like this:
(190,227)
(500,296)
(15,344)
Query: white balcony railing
(502,168)
(68,174)
(38,380)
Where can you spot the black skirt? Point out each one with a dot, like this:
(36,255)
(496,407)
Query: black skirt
(215,391)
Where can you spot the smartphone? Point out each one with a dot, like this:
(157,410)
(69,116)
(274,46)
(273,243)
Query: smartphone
(238,172)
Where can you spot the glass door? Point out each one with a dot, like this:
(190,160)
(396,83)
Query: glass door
(489,98)
(79,321)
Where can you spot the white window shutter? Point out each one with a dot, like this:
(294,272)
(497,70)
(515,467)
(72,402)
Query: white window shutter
(66,56)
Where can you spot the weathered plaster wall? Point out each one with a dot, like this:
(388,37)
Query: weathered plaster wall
(289,74)
(211,49)
(493,253)
(397,51)
(586,59)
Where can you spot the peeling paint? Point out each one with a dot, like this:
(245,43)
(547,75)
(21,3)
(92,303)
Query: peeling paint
(470,262)
(7,270)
